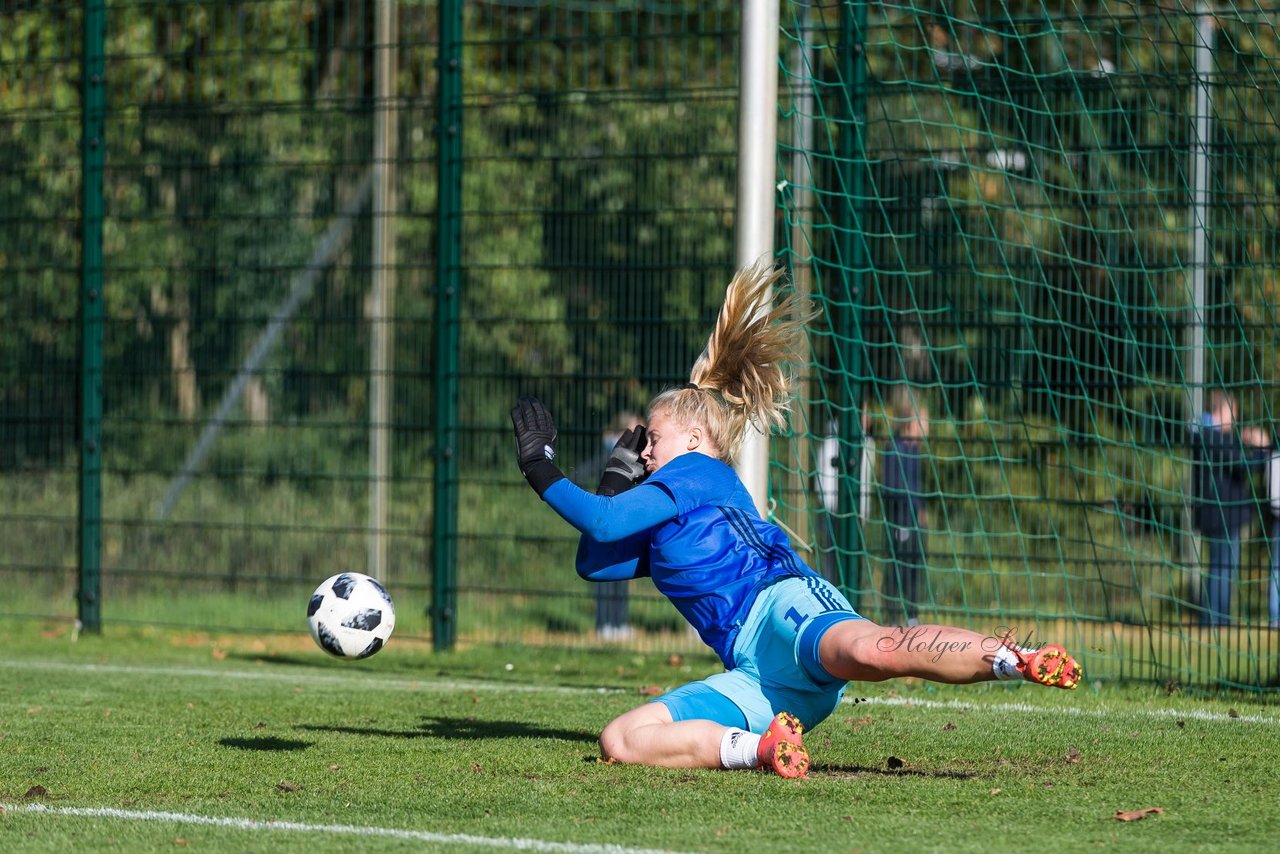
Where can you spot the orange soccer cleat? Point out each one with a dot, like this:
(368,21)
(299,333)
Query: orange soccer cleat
(780,749)
(1050,665)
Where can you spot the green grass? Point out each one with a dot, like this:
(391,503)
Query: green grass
(271,729)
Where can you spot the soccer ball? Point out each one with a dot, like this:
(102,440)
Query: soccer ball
(351,615)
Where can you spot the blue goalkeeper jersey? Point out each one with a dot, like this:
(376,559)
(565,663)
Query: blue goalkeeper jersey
(703,543)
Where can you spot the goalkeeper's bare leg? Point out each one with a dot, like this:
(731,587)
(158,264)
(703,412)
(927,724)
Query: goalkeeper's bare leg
(648,735)
(852,650)
(861,651)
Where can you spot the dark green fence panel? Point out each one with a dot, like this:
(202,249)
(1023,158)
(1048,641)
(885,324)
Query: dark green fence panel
(235,270)
(597,239)
(41,50)
(578,250)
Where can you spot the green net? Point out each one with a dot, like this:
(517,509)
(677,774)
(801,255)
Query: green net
(1052,229)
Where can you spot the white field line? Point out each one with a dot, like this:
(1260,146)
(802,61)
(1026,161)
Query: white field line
(507,842)
(1031,708)
(306,678)
(515,688)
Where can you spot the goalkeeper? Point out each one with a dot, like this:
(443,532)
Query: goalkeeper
(671,507)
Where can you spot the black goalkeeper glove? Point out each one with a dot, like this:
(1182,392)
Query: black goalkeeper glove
(535,443)
(625,468)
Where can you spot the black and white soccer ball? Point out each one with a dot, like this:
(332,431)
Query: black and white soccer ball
(351,615)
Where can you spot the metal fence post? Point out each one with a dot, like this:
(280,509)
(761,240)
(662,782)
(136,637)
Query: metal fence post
(383,287)
(448,284)
(853,259)
(93,157)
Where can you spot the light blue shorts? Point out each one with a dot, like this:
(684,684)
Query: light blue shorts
(776,666)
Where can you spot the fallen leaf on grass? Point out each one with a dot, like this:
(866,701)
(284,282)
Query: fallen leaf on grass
(651,691)
(1135,815)
(950,726)
(286,786)
(36,792)
(1073,756)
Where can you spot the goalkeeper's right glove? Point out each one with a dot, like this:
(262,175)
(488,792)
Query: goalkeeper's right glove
(535,431)
(625,468)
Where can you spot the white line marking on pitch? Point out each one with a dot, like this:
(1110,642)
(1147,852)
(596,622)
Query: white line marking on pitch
(516,843)
(308,678)
(961,705)
(513,687)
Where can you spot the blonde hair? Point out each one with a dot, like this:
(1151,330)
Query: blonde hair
(742,376)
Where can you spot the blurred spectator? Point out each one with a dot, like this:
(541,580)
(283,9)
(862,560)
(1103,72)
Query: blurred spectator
(1224,499)
(827,483)
(905,516)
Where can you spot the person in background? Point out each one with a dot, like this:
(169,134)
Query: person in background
(827,484)
(1224,498)
(613,621)
(904,504)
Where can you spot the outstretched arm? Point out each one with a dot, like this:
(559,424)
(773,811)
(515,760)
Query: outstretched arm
(604,518)
(1226,451)
(617,561)
(608,519)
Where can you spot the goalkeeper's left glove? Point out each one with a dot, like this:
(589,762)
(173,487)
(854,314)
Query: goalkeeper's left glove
(625,468)
(535,443)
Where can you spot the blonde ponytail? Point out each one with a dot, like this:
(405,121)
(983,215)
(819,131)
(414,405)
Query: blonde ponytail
(742,377)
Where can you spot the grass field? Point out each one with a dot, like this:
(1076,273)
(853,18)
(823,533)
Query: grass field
(146,740)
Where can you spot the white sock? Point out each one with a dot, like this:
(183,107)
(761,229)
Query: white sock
(1005,664)
(738,749)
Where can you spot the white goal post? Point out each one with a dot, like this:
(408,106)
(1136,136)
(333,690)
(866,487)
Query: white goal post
(757,173)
